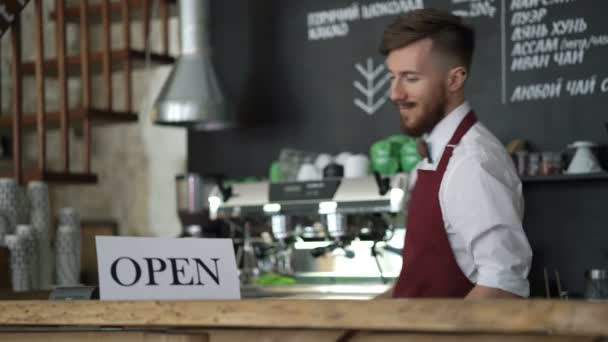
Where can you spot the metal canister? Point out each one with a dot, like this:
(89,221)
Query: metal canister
(280,227)
(336,225)
(192,193)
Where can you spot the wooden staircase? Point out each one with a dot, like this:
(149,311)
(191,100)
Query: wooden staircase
(83,66)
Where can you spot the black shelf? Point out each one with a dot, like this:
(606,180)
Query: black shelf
(566,178)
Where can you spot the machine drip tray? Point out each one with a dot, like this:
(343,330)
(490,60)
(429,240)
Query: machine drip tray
(306,291)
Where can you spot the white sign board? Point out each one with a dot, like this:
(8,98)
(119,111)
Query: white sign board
(134,268)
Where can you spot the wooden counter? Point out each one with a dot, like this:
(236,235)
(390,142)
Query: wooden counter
(303,320)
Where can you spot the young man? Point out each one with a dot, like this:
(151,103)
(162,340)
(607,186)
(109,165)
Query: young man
(464,234)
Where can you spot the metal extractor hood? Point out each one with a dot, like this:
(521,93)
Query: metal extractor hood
(191,96)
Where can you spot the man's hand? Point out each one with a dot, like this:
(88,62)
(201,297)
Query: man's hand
(484,292)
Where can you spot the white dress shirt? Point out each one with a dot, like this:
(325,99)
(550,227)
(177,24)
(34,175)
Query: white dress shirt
(482,205)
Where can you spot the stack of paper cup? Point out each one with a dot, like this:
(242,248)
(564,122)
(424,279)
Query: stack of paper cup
(40,217)
(8,202)
(4,230)
(23,206)
(67,256)
(69,217)
(29,237)
(20,275)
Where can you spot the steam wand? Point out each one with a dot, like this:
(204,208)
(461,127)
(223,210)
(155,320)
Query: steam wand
(320,251)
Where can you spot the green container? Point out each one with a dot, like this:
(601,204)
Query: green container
(396,142)
(385,166)
(380,155)
(409,156)
(395,153)
(380,149)
(400,138)
(275,172)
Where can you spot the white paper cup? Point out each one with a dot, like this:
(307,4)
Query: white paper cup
(356,166)
(308,172)
(40,219)
(323,160)
(4,229)
(67,256)
(20,273)
(342,158)
(8,202)
(26,232)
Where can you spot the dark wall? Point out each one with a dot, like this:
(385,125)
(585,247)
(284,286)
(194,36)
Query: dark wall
(289,91)
(567,226)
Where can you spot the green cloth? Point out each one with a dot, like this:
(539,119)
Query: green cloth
(274,279)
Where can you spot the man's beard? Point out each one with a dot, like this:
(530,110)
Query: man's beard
(428,120)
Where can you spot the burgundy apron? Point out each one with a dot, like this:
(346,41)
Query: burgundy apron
(429,266)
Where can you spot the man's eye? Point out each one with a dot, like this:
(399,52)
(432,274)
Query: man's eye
(411,78)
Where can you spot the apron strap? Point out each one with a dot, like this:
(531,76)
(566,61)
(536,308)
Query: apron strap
(469,120)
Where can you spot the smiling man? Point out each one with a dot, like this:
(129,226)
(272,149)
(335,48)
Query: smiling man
(464,234)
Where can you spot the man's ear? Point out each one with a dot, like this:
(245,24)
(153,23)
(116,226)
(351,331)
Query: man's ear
(456,78)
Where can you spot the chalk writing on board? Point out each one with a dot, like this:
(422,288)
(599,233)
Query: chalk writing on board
(475,8)
(560,87)
(332,23)
(517,5)
(538,91)
(386,8)
(531,53)
(375,89)
(539,41)
(335,23)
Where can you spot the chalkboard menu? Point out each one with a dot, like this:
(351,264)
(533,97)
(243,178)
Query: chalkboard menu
(306,74)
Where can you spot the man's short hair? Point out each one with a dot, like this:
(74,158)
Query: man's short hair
(451,37)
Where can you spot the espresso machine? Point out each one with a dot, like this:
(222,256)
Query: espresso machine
(326,228)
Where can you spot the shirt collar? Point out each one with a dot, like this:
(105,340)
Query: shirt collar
(443,131)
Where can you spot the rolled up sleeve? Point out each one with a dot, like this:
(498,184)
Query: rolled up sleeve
(482,204)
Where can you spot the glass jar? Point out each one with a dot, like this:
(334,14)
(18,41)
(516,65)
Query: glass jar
(521,162)
(557,164)
(551,163)
(597,285)
(533,164)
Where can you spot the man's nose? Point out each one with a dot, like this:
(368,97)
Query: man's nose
(397,92)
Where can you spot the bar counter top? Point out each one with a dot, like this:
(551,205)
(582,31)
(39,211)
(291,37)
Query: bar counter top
(325,320)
